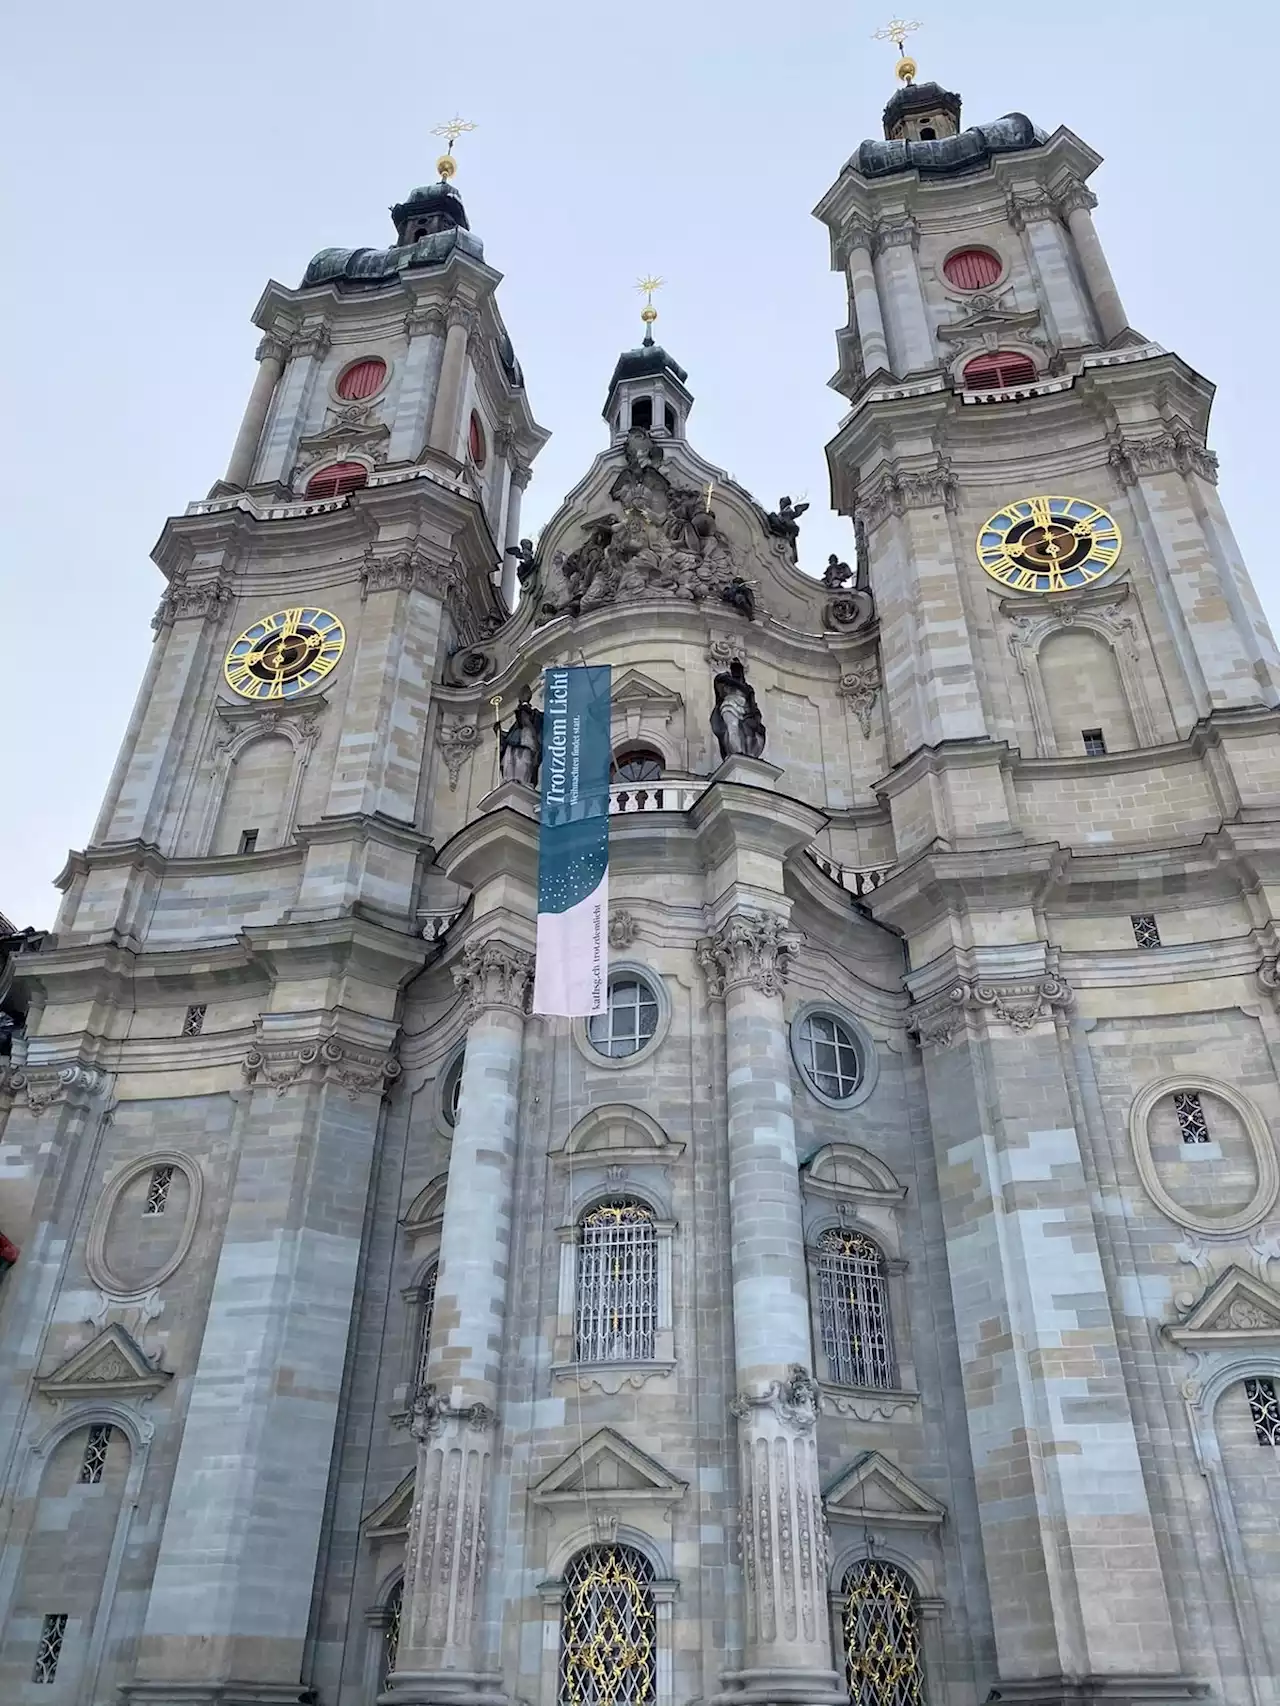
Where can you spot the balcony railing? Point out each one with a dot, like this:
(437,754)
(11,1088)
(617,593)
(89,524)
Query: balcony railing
(661,796)
(856,880)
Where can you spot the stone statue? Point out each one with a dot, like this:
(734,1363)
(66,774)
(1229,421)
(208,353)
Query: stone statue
(736,721)
(784,523)
(739,596)
(836,573)
(526,567)
(520,746)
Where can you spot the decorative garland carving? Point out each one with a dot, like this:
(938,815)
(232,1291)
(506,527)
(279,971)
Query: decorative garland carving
(754,948)
(494,974)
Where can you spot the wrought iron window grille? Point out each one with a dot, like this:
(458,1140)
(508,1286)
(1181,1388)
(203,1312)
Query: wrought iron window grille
(193,1024)
(158,1190)
(95,1455)
(1191,1121)
(1264,1407)
(853,1310)
(52,1632)
(426,1306)
(617,1289)
(882,1637)
(608,1629)
(1146,932)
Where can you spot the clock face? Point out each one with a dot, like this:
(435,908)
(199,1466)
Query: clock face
(284,654)
(1048,544)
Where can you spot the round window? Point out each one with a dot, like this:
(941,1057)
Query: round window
(637,764)
(337,480)
(628,1022)
(476,441)
(829,1056)
(451,1091)
(362,379)
(972,269)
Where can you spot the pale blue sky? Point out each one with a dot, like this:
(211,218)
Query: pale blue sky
(166,160)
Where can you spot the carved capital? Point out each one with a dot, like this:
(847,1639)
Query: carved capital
(494,974)
(858,234)
(428,321)
(430,1414)
(752,948)
(69,1081)
(895,490)
(1176,448)
(204,600)
(457,741)
(861,687)
(313,339)
(521,474)
(459,313)
(1019,1004)
(1073,193)
(1025,207)
(272,348)
(794,1401)
(280,1065)
(410,570)
(891,232)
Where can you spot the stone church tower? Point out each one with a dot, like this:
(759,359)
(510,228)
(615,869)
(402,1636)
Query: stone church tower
(881,1301)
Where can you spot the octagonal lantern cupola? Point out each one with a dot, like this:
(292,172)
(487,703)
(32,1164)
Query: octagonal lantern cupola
(648,390)
(922,112)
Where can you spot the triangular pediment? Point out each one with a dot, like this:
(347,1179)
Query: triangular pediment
(113,1365)
(608,1465)
(875,1490)
(634,687)
(1236,1309)
(390,1519)
(989,318)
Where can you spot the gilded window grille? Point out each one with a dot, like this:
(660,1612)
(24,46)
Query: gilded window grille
(617,1290)
(158,1190)
(1264,1407)
(882,1637)
(426,1305)
(608,1629)
(391,1635)
(52,1632)
(853,1310)
(94,1460)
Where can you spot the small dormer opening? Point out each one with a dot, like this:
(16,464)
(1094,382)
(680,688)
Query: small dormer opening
(642,412)
(928,133)
(669,418)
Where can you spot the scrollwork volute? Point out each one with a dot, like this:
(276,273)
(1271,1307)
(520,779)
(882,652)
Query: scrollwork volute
(1019,1004)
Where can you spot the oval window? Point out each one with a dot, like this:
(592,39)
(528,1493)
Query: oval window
(362,379)
(338,479)
(629,1021)
(972,269)
(997,372)
(476,441)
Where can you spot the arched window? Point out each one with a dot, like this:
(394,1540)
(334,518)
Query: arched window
(617,1290)
(337,480)
(608,1629)
(882,1636)
(361,379)
(637,764)
(391,1635)
(426,1304)
(853,1310)
(998,371)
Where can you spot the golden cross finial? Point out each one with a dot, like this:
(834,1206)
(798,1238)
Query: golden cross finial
(649,283)
(446,165)
(897,30)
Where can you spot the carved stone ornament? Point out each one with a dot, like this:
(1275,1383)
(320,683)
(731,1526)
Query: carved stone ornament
(847,611)
(494,974)
(279,1065)
(891,232)
(661,541)
(430,1413)
(272,348)
(723,648)
(1176,448)
(795,1400)
(754,948)
(425,321)
(457,741)
(623,929)
(1025,207)
(45,1085)
(861,687)
(204,599)
(312,339)
(1019,1004)
(895,490)
(1073,193)
(411,570)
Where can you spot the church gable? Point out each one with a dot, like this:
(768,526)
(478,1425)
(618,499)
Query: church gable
(1236,1310)
(112,1366)
(390,1519)
(874,1489)
(608,1464)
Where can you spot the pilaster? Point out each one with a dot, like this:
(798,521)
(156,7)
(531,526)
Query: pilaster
(287,420)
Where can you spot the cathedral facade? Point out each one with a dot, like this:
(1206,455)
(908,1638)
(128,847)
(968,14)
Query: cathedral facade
(879,1302)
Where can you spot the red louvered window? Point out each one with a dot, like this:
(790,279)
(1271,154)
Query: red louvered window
(999,371)
(362,379)
(475,440)
(972,269)
(338,479)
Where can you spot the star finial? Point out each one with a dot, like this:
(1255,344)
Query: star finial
(648,284)
(897,30)
(446,165)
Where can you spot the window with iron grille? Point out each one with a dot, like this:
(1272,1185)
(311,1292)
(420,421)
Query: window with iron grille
(1264,1407)
(608,1629)
(52,1631)
(1095,743)
(193,1024)
(853,1310)
(617,1289)
(882,1636)
(628,1022)
(391,1638)
(158,1190)
(1146,932)
(95,1455)
(426,1304)
(1191,1121)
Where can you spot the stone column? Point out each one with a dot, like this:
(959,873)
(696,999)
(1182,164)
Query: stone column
(1076,203)
(272,354)
(424,328)
(453,372)
(1034,216)
(910,338)
(519,479)
(288,421)
(441,1657)
(784,1544)
(866,303)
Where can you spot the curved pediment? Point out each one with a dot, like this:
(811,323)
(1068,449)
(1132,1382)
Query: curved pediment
(617,1132)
